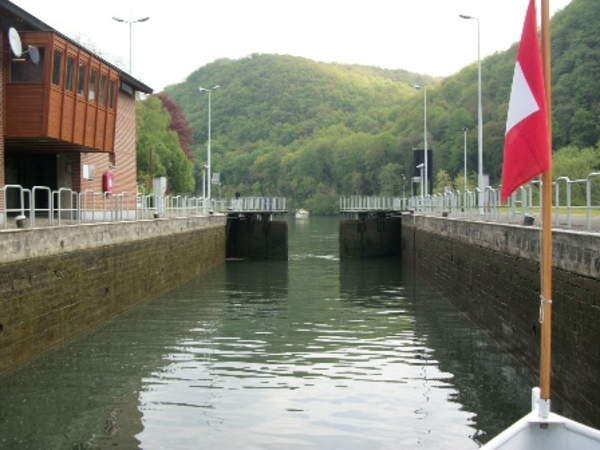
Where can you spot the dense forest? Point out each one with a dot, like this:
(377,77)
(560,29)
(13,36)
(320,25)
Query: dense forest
(312,132)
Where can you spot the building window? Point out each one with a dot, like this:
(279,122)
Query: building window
(70,78)
(111,94)
(102,93)
(23,70)
(81,80)
(92,89)
(57,68)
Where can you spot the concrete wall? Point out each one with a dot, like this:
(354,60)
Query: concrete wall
(58,282)
(491,272)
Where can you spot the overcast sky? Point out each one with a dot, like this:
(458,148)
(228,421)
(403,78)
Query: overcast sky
(425,36)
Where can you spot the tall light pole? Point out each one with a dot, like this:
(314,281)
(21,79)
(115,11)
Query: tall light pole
(425,158)
(131,22)
(479,116)
(465,135)
(208,167)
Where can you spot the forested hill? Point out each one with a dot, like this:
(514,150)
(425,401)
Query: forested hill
(310,131)
(280,99)
(293,127)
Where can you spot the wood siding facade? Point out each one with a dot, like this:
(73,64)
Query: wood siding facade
(68,99)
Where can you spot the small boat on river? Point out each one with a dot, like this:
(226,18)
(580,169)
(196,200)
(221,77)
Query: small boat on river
(301,213)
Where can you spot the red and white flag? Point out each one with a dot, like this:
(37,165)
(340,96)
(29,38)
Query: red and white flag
(526,145)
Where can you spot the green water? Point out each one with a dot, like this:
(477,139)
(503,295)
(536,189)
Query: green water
(312,353)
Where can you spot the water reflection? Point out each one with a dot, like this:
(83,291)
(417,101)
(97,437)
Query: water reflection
(309,353)
(487,381)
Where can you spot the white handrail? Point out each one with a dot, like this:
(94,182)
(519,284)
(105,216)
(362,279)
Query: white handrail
(66,206)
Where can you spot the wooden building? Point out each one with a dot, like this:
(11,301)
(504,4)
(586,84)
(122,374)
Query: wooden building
(68,116)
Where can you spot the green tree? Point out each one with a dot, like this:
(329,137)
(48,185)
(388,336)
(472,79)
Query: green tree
(443,181)
(391,180)
(158,149)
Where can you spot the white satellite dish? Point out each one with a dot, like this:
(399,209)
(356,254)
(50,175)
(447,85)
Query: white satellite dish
(15,42)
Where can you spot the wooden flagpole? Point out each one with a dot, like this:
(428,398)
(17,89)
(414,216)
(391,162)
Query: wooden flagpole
(546,255)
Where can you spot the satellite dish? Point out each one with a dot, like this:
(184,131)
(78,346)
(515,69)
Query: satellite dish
(15,42)
(34,54)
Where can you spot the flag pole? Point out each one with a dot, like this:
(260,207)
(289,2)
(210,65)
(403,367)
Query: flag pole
(546,255)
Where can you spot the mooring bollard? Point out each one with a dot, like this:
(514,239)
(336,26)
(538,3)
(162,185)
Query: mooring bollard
(20,219)
(528,220)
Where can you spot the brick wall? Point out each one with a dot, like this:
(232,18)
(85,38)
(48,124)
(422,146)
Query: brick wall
(125,151)
(491,272)
(45,300)
(123,162)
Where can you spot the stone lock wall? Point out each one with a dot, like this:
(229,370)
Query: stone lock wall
(491,272)
(56,283)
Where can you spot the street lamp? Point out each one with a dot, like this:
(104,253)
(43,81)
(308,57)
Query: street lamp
(479,116)
(465,134)
(131,22)
(424,134)
(208,167)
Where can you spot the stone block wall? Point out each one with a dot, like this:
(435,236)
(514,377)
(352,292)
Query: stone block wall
(491,273)
(48,298)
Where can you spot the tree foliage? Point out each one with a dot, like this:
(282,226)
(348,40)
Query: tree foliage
(158,151)
(178,124)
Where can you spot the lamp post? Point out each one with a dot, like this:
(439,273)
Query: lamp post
(465,135)
(425,158)
(479,116)
(208,167)
(131,22)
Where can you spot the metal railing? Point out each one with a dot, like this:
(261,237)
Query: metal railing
(42,206)
(358,203)
(257,204)
(525,202)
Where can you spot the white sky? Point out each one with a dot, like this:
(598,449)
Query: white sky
(424,36)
